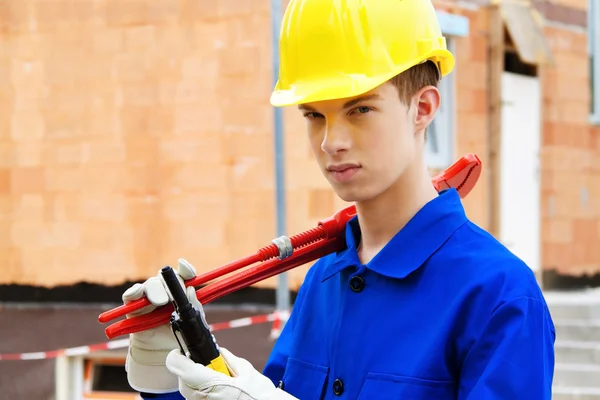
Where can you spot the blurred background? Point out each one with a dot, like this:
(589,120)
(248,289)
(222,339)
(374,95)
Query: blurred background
(135,132)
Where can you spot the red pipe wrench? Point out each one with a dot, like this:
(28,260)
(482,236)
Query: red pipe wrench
(282,254)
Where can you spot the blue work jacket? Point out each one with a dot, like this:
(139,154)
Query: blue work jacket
(443,312)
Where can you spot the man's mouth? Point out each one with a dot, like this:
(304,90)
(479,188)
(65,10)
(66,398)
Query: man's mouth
(343,172)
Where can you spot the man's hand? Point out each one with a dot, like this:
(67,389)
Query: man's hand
(198,382)
(148,350)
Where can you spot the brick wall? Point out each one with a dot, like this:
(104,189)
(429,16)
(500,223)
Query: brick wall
(133,133)
(571,153)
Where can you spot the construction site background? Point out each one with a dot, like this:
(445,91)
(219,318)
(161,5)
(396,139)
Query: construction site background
(136,132)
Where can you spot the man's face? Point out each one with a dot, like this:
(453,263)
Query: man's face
(362,144)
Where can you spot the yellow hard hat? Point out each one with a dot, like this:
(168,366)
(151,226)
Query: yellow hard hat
(332,49)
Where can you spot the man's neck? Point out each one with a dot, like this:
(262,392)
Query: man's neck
(382,217)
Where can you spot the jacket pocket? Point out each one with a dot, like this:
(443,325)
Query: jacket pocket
(386,386)
(304,380)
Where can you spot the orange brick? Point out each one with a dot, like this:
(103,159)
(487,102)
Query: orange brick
(250,173)
(102,152)
(558,230)
(129,67)
(161,120)
(471,101)
(135,120)
(547,181)
(320,203)
(142,93)
(472,75)
(131,12)
(238,60)
(27,125)
(593,251)
(102,234)
(144,180)
(28,180)
(297,146)
(162,11)
(92,69)
(65,235)
(141,151)
(185,236)
(471,128)
(567,181)
(585,230)
(305,174)
(159,67)
(209,148)
(138,38)
(63,98)
(101,178)
(63,179)
(230,8)
(197,175)
(247,144)
(479,48)
(251,205)
(193,11)
(247,235)
(103,207)
(196,118)
(49,17)
(558,255)
(107,41)
(17,15)
(65,207)
(27,234)
(68,153)
(5,181)
(186,91)
(30,208)
(171,37)
(578,253)
(212,206)
(297,210)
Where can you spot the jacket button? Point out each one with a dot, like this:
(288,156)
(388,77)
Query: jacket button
(357,283)
(338,387)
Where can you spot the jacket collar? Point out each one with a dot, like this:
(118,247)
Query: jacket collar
(410,248)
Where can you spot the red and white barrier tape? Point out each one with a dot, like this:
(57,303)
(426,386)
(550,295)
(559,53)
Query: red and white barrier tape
(275,317)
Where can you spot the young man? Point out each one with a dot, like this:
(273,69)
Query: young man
(422,304)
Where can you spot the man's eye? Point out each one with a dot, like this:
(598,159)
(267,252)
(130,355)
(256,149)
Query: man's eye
(363,109)
(312,115)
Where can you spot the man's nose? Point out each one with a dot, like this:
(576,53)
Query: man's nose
(337,138)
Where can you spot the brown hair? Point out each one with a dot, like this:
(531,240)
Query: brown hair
(414,79)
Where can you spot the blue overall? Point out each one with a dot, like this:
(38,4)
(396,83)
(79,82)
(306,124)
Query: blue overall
(443,312)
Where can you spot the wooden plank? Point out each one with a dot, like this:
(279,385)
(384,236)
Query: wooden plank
(495,68)
(525,26)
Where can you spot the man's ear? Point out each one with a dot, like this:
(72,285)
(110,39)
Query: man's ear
(427,103)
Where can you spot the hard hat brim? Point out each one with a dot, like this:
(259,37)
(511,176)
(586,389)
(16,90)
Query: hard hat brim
(349,85)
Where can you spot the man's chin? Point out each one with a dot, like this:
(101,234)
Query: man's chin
(352,195)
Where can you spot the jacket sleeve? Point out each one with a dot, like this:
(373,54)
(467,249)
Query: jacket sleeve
(513,358)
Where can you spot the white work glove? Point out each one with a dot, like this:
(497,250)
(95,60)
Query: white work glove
(197,382)
(148,350)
